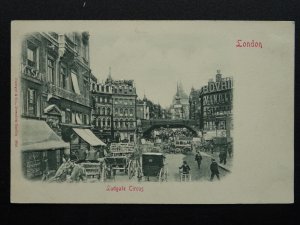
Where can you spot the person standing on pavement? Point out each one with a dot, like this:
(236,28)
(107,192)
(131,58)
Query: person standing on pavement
(185,168)
(223,156)
(214,168)
(198,158)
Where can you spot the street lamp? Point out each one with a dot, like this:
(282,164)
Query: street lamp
(217,124)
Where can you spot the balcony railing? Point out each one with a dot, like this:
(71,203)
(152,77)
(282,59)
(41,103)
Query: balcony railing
(31,73)
(69,95)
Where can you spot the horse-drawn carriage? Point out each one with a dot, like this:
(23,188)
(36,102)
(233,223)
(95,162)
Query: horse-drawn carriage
(153,165)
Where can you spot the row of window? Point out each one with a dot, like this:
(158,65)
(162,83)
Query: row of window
(74,117)
(101,88)
(123,112)
(211,125)
(103,111)
(100,99)
(106,123)
(124,101)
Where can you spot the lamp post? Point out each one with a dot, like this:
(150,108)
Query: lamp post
(217,124)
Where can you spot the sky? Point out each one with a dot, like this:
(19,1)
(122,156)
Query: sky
(156,55)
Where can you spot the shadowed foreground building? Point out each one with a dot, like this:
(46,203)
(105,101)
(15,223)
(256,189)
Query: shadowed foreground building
(55,77)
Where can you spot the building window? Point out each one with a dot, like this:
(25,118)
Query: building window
(51,71)
(102,88)
(108,111)
(103,122)
(121,123)
(63,74)
(98,88)
(121,111)
(100,99)
(131,112)
(31,55)
(116,111)
(73,118)
(108,122)
(126,112)
(75,83)
(107,88)
(31,102)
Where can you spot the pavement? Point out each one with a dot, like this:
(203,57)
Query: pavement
(215,155)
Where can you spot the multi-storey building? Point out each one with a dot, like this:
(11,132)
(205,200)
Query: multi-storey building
(216,106)
(123,109)
(195,106)
(102,111)
(55,80)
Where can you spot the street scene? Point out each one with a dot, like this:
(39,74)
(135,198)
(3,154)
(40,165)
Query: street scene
(85,118)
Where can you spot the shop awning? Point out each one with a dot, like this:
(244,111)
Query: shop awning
(88,136)
(37,135)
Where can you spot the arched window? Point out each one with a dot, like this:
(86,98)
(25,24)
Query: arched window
(116,123)
(121,111)
(103,111)
(102,88)
(121,123)
(131,112)
(108,122)
(126,112)
(107,88)
(116,111)
(108,111)
(103,122)
(98,88)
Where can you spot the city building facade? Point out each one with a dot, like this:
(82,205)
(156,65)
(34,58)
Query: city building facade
(216,106)
(123,109)
(102,116)
(55,81)
(195,106)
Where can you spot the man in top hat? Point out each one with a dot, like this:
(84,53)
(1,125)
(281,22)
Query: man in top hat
(214,168)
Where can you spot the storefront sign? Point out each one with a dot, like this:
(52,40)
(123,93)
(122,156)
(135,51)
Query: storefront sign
(217,86)
(218,99)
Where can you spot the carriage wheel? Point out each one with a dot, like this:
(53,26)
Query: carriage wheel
(166,174)
(161,175)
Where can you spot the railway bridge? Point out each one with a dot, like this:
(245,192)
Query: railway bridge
(148,125)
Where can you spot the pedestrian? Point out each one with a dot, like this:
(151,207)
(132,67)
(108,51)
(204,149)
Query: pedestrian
(214,168)
(198,158)
(223,156)
(185,168)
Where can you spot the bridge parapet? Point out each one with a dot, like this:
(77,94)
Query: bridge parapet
(148,125)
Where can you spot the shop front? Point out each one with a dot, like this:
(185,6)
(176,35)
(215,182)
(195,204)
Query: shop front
(85,145)
(42,149)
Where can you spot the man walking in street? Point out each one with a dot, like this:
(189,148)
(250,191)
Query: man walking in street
(214,168)
(198,158)
(223,156)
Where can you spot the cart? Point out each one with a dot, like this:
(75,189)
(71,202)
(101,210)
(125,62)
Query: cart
(153,165)
(183,146)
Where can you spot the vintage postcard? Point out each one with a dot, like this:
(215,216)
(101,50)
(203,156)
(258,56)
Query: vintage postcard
(168,112)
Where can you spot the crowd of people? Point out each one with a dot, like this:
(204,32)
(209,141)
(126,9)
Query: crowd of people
(167,134)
